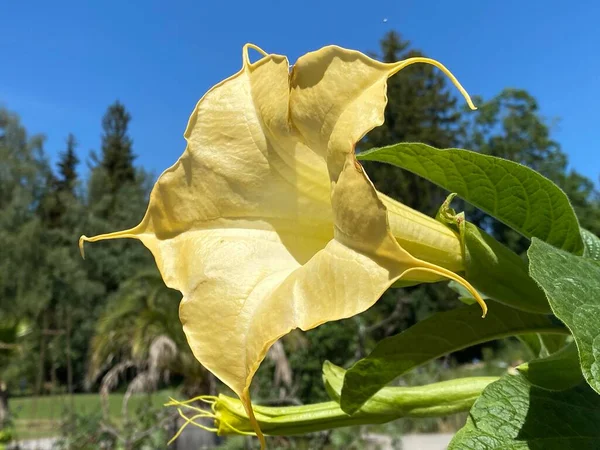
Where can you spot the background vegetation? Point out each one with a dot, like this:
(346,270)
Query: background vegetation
(109,323)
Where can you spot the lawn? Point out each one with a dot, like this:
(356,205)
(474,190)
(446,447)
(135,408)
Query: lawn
(41,416)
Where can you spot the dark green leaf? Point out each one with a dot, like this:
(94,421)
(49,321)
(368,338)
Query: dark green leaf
(558,371)
(513,414)
(572,285)
(333,378)
(591,245)
(533,343)
(430,400)
(499,273)
(431,338)
(514,194)
(551,343)
(463,294)
(491,267)
(543,345)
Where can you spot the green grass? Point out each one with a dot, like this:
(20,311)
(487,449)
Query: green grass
(42,416)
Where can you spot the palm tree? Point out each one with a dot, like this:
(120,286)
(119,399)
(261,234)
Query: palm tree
(140,330)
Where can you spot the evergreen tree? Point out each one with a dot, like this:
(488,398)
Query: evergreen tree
(117,153)
(421,108)
(60,190)
(117,199)
(113,171)
(67,167)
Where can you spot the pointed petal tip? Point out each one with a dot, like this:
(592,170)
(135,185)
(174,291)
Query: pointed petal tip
(438,270)
(82,240)
(132,233)
(245,52)
(395,67)
(246,401)
(480,301)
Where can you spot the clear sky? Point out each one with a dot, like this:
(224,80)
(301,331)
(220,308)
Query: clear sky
(64,62)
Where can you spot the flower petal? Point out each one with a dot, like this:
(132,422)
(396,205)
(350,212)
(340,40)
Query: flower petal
(267,222)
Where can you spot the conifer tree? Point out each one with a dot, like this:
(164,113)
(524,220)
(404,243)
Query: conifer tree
(117,153)
(113,171)
(60,189)
(67,167)
(421,107)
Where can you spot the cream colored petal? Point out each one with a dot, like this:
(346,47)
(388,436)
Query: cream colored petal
(337,96)
(267,222)
(423,237)
(241,162)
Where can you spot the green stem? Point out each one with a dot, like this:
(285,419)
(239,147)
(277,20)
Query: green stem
(390,403)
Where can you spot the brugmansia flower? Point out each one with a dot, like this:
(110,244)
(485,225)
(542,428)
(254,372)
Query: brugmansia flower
(229,416)
(267,222)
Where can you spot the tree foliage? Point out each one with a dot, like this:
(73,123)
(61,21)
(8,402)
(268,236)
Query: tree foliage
(112,307)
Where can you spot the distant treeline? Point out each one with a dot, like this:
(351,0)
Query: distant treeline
(88,318)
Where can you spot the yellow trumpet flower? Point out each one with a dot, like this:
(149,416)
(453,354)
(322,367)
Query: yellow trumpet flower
(267,222)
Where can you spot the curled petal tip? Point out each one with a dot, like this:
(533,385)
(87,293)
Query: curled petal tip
(477,297)
(432,268)
(82,240)
(245,398)
(418,59)
(246,49)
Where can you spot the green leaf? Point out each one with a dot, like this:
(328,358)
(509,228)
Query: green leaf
(572,285)
(513,414)
(333,379)
(543,345)
(431,338)
(551,343)
(463,293)
(500,273)
(491,267)
(558,371)
(430,400)
(591,245)
(533,342)
(514,194)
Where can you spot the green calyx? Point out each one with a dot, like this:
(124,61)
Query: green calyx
(492,268)
(438,399)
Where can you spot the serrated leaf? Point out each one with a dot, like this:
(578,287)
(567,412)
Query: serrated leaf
(591,245)
(513,414)
(514,194)
(558,371)
(572,285)
(431,338)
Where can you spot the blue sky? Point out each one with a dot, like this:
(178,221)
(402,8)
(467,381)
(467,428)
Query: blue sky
(65,62)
